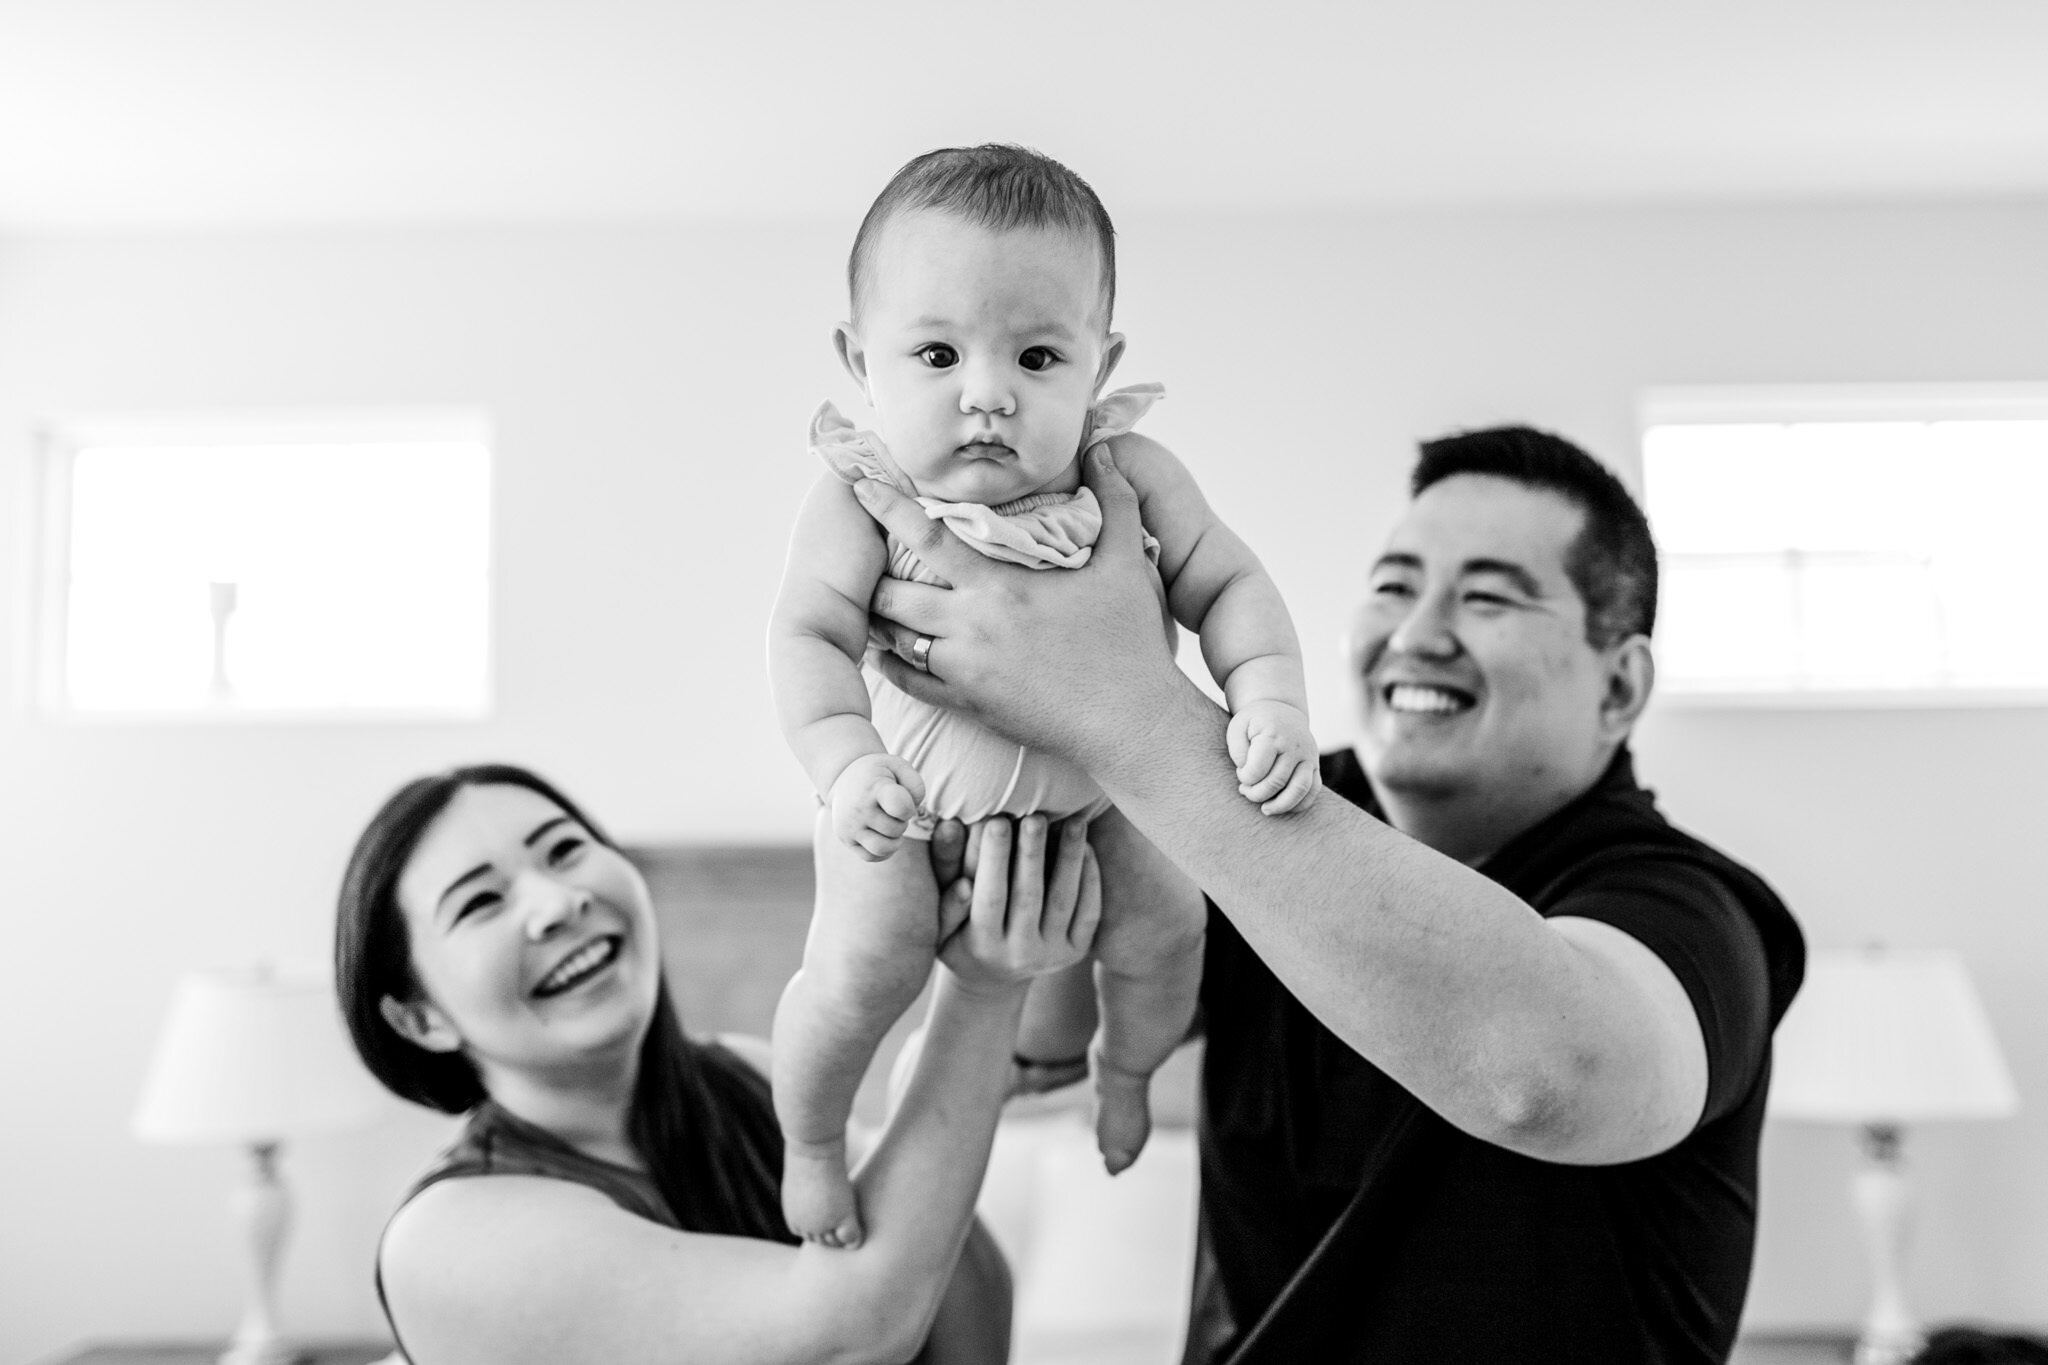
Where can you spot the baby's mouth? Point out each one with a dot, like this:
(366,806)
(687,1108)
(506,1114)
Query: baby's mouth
(984,450)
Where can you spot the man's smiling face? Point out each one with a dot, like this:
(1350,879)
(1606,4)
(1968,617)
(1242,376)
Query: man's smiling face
(1470,656)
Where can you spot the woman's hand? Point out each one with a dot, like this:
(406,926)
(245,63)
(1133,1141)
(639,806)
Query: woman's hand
(1004,917)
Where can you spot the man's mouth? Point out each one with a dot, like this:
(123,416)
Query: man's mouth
(1426,699)
(573,970)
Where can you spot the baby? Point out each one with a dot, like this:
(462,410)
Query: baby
(982,281)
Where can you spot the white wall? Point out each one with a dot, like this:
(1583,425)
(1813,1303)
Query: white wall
(650,388)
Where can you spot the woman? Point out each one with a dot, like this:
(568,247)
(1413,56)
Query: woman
(496,954)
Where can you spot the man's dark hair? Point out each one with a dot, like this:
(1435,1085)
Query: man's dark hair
(997,186)
(1613,561)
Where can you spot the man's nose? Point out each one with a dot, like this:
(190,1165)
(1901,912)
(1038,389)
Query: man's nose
(985,387)
(1426,631)
(546,904)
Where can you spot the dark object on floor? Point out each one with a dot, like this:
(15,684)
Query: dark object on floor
(1975,1346)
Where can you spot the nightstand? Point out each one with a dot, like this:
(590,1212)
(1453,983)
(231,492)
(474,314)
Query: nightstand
(206,1353)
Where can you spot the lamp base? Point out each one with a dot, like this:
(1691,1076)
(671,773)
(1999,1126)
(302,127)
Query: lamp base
(1889,1348)
(1891,1334)
(274,1351)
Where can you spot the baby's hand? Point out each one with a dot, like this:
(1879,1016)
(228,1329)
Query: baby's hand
(874,800)
(1275,756)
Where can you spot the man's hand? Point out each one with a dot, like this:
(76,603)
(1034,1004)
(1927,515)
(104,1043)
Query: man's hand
(1275,754)
(874,799)
(1071,662)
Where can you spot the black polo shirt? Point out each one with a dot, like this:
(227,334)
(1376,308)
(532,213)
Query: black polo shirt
(1343,1221)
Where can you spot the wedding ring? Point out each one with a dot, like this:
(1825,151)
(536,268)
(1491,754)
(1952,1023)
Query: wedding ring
(921,654)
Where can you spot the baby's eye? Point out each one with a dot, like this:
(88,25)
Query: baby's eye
(1038,358)
(939,356)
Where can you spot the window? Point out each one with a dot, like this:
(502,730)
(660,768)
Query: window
(1850,544)
(249,566)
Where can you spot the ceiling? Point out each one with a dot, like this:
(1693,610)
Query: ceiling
(118,114)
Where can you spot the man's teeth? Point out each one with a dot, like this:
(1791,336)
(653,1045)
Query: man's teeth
(1434,701)
(582,960)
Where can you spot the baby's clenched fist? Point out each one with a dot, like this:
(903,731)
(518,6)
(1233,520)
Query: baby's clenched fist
(873,801)
(1275,754)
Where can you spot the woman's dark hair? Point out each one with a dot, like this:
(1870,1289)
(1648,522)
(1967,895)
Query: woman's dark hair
(701,1118)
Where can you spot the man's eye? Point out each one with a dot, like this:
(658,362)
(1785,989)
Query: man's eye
(1487,599)
(1037,358)
(938,356)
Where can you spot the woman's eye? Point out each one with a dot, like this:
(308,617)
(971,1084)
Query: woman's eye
(938,356)
(565,850)
(1390,590)
(1486,599)
(482,900)
(1038,358)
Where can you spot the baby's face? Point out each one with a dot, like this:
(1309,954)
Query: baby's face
(981,352)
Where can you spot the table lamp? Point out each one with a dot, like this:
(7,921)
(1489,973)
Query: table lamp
(1882,1038)
(254,1058)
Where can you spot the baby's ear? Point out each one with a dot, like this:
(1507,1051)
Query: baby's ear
(420,1024)
(852,355)
(1112,352)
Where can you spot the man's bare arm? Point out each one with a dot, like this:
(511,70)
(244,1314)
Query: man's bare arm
(1561,1042)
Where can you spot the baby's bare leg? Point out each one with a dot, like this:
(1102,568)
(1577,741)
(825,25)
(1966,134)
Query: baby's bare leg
(874,933)
(1148,973)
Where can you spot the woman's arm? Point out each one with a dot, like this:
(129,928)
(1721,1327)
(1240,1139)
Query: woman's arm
(510,1269)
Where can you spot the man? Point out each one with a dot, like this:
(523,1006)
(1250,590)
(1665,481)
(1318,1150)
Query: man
(1485,1080)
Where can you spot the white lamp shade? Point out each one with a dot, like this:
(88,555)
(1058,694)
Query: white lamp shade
(1887,1037)
(250,1057)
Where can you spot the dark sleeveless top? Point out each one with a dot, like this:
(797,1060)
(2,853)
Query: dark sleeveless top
(1343,1221)
(494,1141)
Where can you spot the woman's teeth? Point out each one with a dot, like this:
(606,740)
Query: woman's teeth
(578,965)
(1431,701)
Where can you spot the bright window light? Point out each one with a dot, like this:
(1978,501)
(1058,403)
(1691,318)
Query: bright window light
(251,567)
(1849,544)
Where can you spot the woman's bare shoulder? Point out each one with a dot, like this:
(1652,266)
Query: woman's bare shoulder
(509,1269)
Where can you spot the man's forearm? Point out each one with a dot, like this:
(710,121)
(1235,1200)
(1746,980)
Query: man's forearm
(1442,978)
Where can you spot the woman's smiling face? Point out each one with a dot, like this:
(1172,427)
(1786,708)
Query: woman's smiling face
(534,944)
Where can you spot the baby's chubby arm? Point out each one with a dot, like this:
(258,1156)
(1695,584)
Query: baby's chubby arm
(1216,587)
(816,638)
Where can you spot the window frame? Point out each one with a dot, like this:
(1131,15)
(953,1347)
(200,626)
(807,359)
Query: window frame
(1707,405)
(54,446)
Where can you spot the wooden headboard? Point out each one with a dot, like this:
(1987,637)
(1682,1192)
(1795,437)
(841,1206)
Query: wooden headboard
(733,918)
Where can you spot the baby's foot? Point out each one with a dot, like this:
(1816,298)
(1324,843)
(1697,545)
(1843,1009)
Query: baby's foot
(1123,1114)
(817,1197)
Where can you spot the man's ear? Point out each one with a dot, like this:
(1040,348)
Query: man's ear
(853,356)
(1112,351)
(420,1024)
(1631,673)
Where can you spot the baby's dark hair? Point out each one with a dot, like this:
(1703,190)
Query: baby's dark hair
(997,186)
